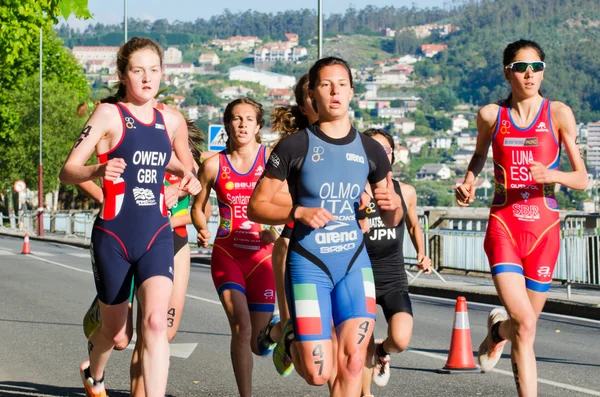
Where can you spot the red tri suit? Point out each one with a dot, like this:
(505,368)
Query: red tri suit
(523,234)
(240,260)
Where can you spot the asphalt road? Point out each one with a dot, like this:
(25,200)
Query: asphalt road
(43,297)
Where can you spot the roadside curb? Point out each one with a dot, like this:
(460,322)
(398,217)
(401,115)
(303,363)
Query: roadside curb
(76,242)
(555,306)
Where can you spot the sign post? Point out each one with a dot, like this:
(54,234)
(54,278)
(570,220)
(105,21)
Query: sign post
(217,137)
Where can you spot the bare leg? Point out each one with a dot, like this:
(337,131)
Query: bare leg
(236,307)
(278,262)
(112,331)
(354,336)
(135,369)
(524,308)
(368,369)
(154,294)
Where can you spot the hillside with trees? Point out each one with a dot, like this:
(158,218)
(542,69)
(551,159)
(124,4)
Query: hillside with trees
(469,72)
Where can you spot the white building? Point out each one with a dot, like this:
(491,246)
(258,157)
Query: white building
(281,51)
(83,54)
(392,77)
(593,148)
(179,68)
(466,140)
(434,172)
(463,157)
(264,78)
(459,123)
(234,92)
(208,59)
(237,43)
(172,56)
(402,154)
(388,113)
(192,112)
(405,125)
(415,143)
(441,142)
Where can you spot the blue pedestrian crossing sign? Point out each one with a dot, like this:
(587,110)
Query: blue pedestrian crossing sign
(217,137)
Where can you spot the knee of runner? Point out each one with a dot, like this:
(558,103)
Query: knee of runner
(524,327)
(400,343)
(242,332)
(314,379)
(155,323)
(352,363)
(122,341)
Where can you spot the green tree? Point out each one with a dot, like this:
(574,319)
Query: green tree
(202,95)
(20,23)
(60,127)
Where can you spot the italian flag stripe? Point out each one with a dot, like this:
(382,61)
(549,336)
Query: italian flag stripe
(308,313)
(369,285)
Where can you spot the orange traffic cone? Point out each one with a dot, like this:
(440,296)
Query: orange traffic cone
(460,358)
(26,249)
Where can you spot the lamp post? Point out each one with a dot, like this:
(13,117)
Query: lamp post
(320,30)
(125,18)
(40,210)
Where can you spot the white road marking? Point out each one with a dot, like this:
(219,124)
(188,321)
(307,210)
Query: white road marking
(180,350)
(203,299)
(61,265)
(6,253)
(487,305)
(80,255)
(508,373)
(42,253)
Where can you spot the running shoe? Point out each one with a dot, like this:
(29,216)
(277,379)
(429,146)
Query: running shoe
(92,388)
(91,320)
(281,357)
(265,343)
(489,351)
(381,372)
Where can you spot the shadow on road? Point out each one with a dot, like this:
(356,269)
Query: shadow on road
(33,389)
(8,320)
(28,389)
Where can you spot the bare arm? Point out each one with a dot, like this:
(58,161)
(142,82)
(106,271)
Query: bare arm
(388,201)
(414,228)
(98,127)
(486,120)
(566,126)
(93,191)
(264,207)
(208,175)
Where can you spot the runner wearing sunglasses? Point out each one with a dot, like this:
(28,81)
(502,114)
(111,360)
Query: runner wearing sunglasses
(523,235)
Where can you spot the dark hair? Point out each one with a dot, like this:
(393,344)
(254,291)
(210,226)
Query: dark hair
(510,52)
(313,73)
(195,139)
(301,89)
(228,115)
(289,119)
(376,131)
(125,52)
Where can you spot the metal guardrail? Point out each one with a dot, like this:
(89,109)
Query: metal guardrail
(578,263)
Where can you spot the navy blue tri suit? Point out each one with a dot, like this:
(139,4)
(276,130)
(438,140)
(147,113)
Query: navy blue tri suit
(328,270)
(384,245)
(132,234)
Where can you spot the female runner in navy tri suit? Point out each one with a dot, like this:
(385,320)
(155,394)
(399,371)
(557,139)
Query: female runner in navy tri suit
(131,235)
